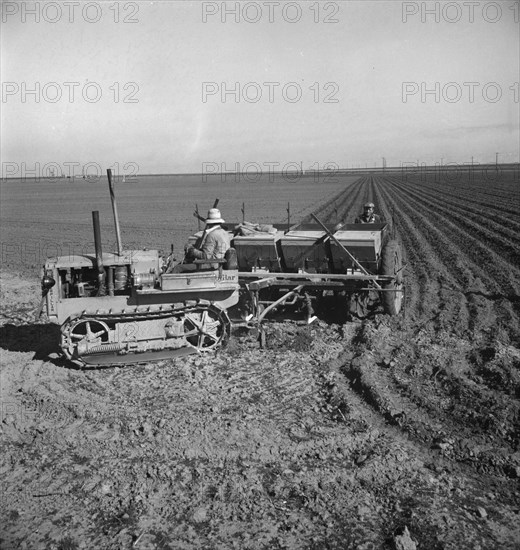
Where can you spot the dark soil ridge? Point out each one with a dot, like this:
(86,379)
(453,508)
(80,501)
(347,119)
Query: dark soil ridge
(466,407)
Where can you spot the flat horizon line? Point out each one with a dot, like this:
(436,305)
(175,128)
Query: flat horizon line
(309,173)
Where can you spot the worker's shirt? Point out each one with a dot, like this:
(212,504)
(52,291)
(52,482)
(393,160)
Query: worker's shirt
(215,245)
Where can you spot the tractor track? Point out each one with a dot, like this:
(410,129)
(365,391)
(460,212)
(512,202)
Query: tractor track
(476,270)
(480,227)
(463,284)
(447,262)
(476,191)
(496,222)
(339,206)
(474,257)
(429,273)
(492,260)
(349,208)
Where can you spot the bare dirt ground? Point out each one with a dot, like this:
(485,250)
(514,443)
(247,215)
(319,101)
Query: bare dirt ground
(377,434)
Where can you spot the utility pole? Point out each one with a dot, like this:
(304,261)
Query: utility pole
(496,162)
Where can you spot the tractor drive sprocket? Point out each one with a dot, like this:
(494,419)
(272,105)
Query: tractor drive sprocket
(206,328)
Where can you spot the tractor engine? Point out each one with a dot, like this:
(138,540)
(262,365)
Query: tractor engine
(120,308)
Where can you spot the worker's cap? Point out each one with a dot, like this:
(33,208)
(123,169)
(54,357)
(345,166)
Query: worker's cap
(369,205)
(214,216)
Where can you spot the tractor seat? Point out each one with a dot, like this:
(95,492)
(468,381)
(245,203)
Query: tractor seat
(231,261)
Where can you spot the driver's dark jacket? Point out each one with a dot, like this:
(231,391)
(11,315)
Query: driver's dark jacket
(373,218)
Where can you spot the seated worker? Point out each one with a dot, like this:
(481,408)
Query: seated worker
(368,215)
(215,240)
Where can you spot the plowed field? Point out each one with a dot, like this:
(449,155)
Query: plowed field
(461,242)
(383,433)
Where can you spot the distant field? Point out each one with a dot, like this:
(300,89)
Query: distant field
(45,218)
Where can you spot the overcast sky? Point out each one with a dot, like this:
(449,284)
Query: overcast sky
(342,82)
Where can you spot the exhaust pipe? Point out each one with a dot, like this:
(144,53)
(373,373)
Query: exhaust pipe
(99,253)
(114,210)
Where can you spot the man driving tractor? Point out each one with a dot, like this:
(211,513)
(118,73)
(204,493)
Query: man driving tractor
(215,240)
(368,215)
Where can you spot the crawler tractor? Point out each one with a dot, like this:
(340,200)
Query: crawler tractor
(121,308)
(124,307)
